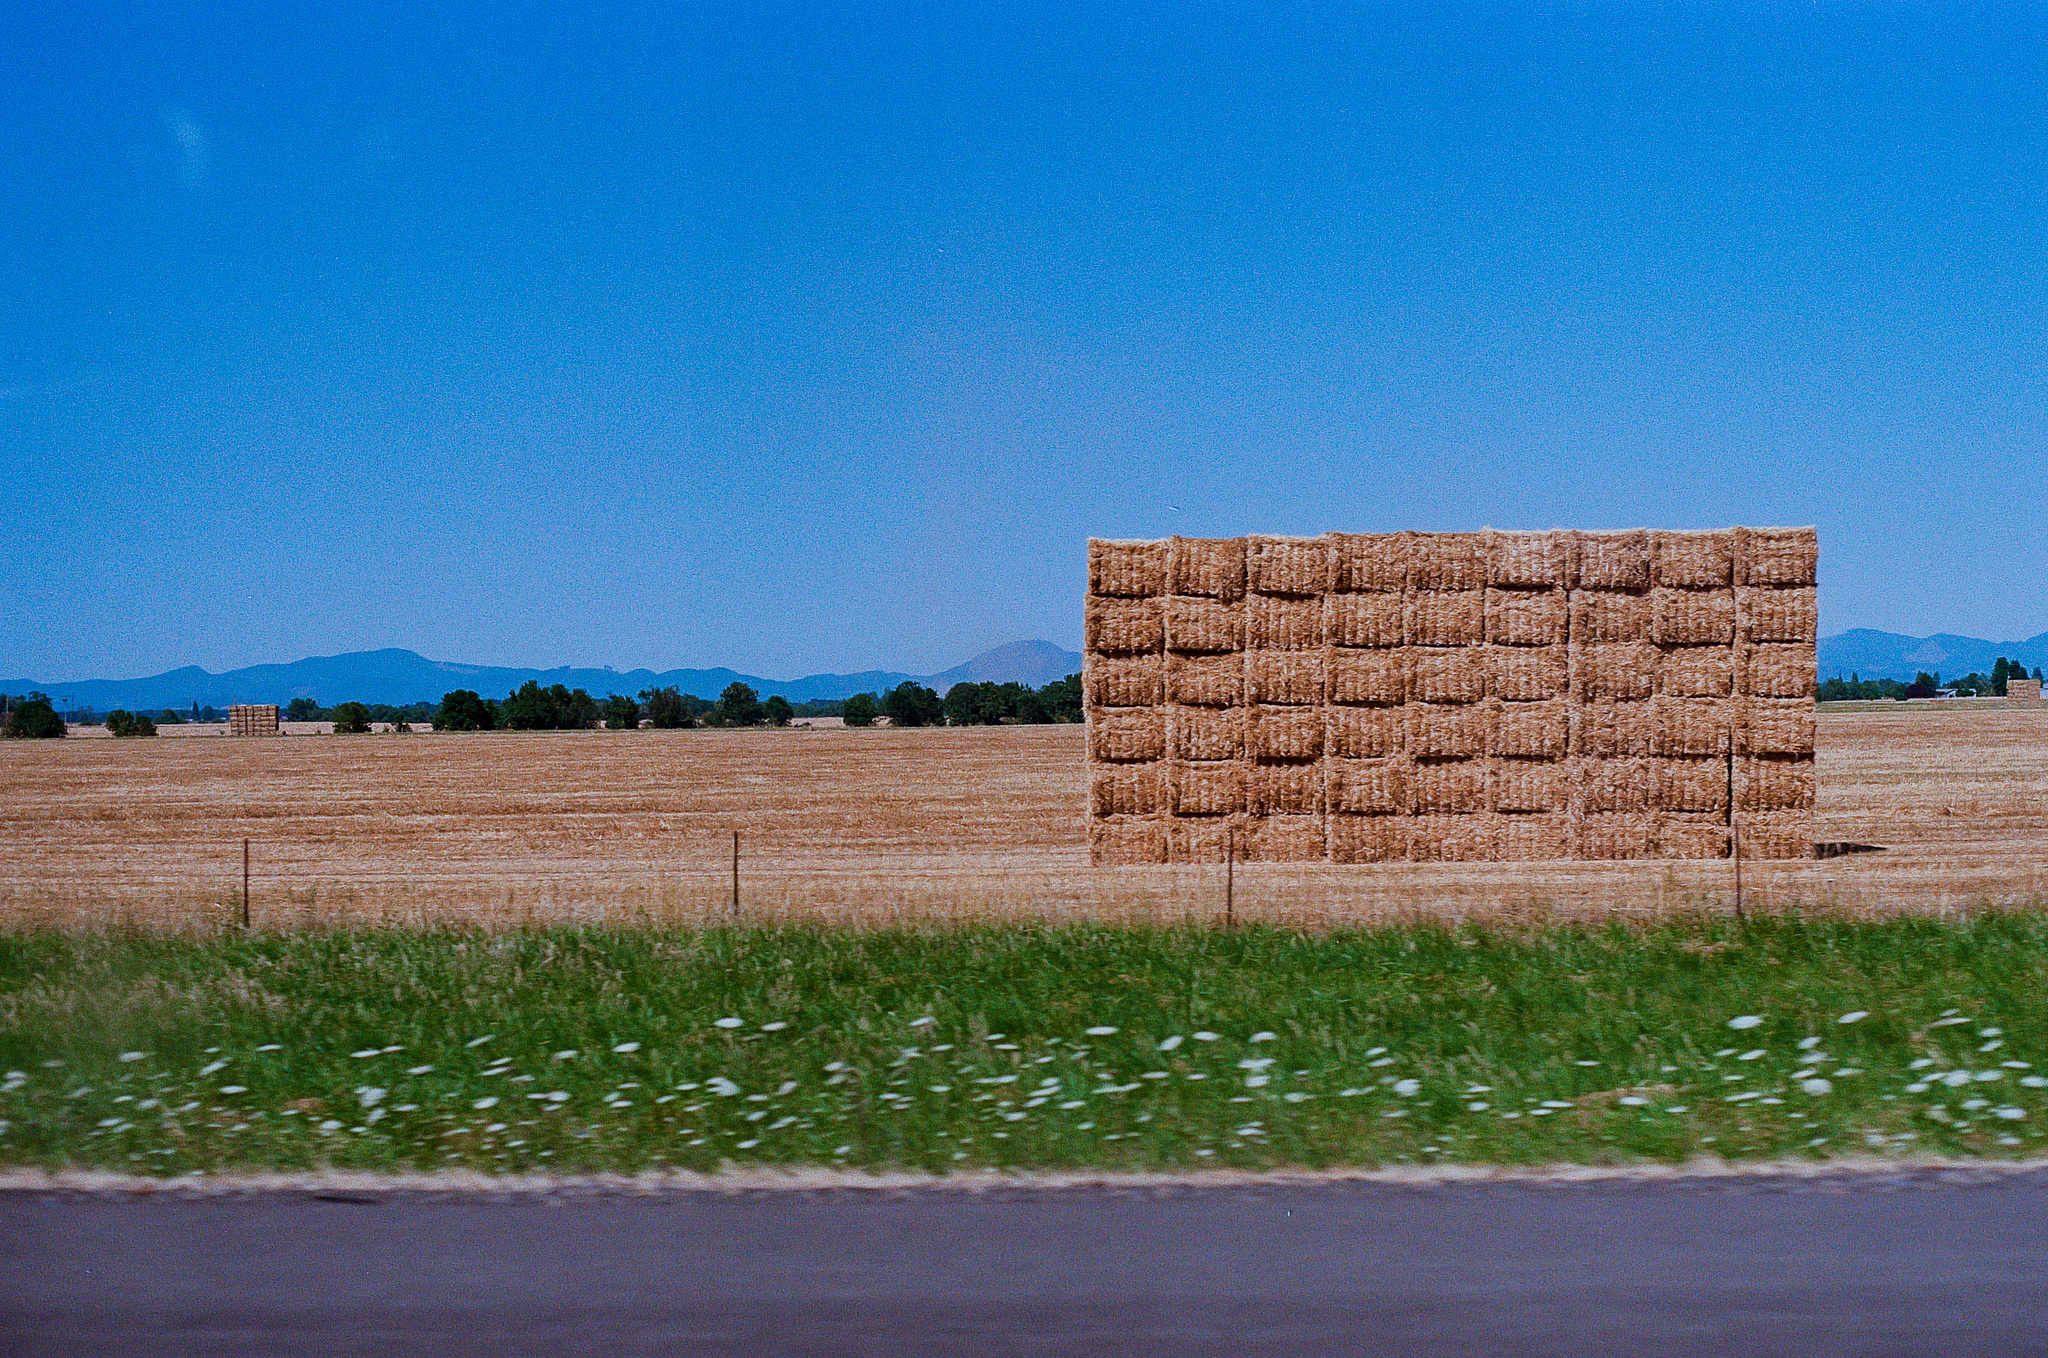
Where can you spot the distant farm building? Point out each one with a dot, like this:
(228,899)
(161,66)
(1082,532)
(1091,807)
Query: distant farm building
(252,719)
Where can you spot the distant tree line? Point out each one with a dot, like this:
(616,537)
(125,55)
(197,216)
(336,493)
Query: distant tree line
(1926,685)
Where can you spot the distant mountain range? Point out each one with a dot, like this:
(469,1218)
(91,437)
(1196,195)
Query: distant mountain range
(395,676)
(1888,655)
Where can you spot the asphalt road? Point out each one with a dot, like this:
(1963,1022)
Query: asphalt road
(1905,1265)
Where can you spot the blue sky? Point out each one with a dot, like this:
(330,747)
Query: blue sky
(798,338)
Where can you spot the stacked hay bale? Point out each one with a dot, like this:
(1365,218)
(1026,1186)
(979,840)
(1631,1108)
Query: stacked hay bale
(1456,696)
(2023,693)
(252,719)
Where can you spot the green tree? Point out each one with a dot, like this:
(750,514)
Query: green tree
(668,709)
(302,709)
(351,719)
(739,705)
(1062,699)
(777,711)
(171,717)
(860,710)
(123,724)
(912,704)
(463,710)
(31,718)
(621,713)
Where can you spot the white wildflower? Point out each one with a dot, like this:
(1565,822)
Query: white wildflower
(1171,1043)
(1265,1037)
(627,1048)
(234,1089)
(133,1056)
(366,1053)
(727,1023)
(1207,1036)
(1407,1087)
(210,1067)
(370,1096)
(721,1086)
(1854,1016)
(1817,1086)
(1745,1021)
(1100,1030)
(1751,1055)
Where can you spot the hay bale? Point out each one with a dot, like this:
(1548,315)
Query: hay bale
(1680,835)
(1446,676)
(1283,839)
(1365,619)
(1693,785)
(1776,670)
(1526,673)
(1450,839)
(1521,617)
(1206,788)
(1291,788)
(1628,834)
(1782,726)
(1609,787)
(1528,560)
(1294,677)
(1615,730)
(1601,617)
(1202,839)
(1778,834)
(1369,563)
(1451,617)
(1206,732)
(1297,566)
(1540,730)
(1531,838)
(1124,681)
(1782,615)
(1692,617)
(1531,785)
(1774,783)
(1447,787)
(1120,841)
(1694,726)
(1205,680)
(1623,671)
(1610,561)
(1447,561)
(1210,567)
(1696,671)
(1203,625)
(1284,732)
(1438,731)
(1368,839)
(1127,735)
(1366,787)
(1378,678)
(1777,556)
(1693,560)
(1128,569)
(1283,624)
(1123,626)
(1127,789)
(1365,732)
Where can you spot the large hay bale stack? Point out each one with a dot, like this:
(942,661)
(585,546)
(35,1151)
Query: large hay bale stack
(252,719)
(1367,698)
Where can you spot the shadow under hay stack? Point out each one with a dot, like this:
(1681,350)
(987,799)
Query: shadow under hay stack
(1443,697)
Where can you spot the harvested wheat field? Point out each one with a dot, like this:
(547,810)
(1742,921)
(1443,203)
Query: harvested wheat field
(880,827)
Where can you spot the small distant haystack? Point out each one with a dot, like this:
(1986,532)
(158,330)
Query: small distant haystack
(1452,696)
(252,719)
(2023,693)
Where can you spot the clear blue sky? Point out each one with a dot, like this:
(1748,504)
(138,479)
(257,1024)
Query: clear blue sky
(806,337)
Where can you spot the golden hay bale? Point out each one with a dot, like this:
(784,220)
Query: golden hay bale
(1283,839)
(1776,670)
(1451,617)
(1541,730)
(1132,569)
(1447,561)
(1695,785)
(1284,732)
(1369,839)
(1202,839)
(1777,556)
(1283,624)
(1527,560)
(1298,566)
(1529,785)
(1600,617)
(1365,732)
(1785,615)
(1521,617)
(1124,681)
(1627,834)
(1203,625)
(1446,676)
(1375,563)
(1682,835)
(1211,788)
(1695,726)
(1450,839)
(1367,787)
(1294,677)
(1696,671)
(1613,786)
(1205,680)
(1123,840)
(1693,560)
(1615,730)
(1285,789)
(1447,786)
(1778,834)
(1123,626)
(1379,678)
(1527,838)
(1623,671)
(1437,731)
(1210,567)
(1774,783)
(1365,619)
(1692,617)
(1126,790)
(1526,673)
(1206,732)
(1127,734)
(1611,561)
(1782,726)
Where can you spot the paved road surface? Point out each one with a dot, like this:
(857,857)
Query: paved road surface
(1900,1266)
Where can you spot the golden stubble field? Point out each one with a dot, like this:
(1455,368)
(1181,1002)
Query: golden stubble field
(883,826)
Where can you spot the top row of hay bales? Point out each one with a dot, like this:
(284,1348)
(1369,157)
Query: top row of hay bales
(1228,568)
